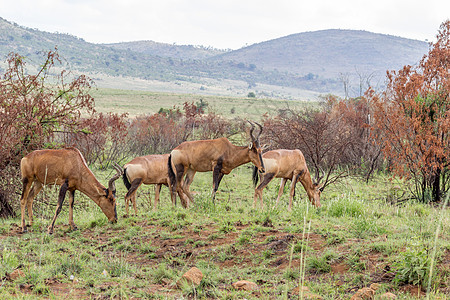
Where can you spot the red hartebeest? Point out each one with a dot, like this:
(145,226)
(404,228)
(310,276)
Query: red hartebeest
(218,155)
(67,168)
(149,169)
(287,164)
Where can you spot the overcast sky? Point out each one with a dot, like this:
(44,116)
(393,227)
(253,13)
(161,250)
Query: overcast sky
(223,23)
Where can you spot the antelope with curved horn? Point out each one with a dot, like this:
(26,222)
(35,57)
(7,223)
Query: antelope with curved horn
(218,155)
(287,164)
(67,168)
(149,169)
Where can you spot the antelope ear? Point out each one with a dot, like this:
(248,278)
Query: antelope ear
(250,146)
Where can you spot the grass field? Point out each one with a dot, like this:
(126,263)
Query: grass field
(142,102)
(361,235)
(358,237)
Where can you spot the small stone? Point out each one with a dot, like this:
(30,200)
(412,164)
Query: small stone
(245,285)
(193,277)
(363,294)
(17,273)
(388,296)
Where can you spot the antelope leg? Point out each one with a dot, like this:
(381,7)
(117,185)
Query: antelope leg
(62,195)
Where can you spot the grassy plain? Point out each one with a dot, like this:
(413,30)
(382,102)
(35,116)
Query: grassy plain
(143,102)
(358,237)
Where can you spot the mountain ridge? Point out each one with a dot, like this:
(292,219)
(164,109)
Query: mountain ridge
(350,43)
(167,50)
(317,61)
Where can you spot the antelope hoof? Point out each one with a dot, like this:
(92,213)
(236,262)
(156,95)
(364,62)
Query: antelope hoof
(24,230)
(50,231)
(74,228)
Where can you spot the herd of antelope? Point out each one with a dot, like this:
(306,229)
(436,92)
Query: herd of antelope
(68,169)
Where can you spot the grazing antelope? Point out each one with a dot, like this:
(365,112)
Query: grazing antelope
(286,164)
(149,169)
(67,168)
(218,155)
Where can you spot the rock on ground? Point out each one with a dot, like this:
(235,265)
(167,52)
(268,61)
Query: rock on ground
(245,285)
(17,273)
(365,293)
(388,296)
(192,277)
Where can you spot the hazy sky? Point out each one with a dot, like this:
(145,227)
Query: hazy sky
(223,23)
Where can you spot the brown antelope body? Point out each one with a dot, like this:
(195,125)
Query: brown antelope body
(67,168)
(286,164)
(218,155)
(149,169)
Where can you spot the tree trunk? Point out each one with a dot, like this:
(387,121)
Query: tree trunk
(436,185)
(6,210)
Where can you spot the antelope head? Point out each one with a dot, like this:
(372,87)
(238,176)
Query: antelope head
(107,202)
(317,188)
(255,150)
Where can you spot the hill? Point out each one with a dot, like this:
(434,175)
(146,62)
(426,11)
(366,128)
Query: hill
(80,55)
(327,53)
(296,66)
(167,50)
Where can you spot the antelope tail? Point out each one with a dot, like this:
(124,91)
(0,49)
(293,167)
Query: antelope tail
(255,176)
(172,177)
(126,182)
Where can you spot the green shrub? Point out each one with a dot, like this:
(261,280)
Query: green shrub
(321,264)
(291,274)
(267,253)
(364,226)
(9,261)
(161,273)
(339,207)
(68,266)
(413,266)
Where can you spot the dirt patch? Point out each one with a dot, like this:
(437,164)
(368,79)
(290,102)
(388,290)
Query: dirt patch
(339,268)
(66,291)
(413,290)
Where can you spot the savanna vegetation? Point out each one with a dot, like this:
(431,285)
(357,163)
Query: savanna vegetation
(384,217)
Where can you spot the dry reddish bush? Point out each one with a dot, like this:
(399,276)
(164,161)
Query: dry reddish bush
(36,103)
(101,139)
(412,120)
(333,138)
(157,134)
(213,126)
(161,132)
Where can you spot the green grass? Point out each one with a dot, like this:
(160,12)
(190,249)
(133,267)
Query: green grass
(142,102)
(229,241)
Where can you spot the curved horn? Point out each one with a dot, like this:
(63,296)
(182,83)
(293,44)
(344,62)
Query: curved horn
(111,185)
(260,130)
(117,167)
(251,130)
